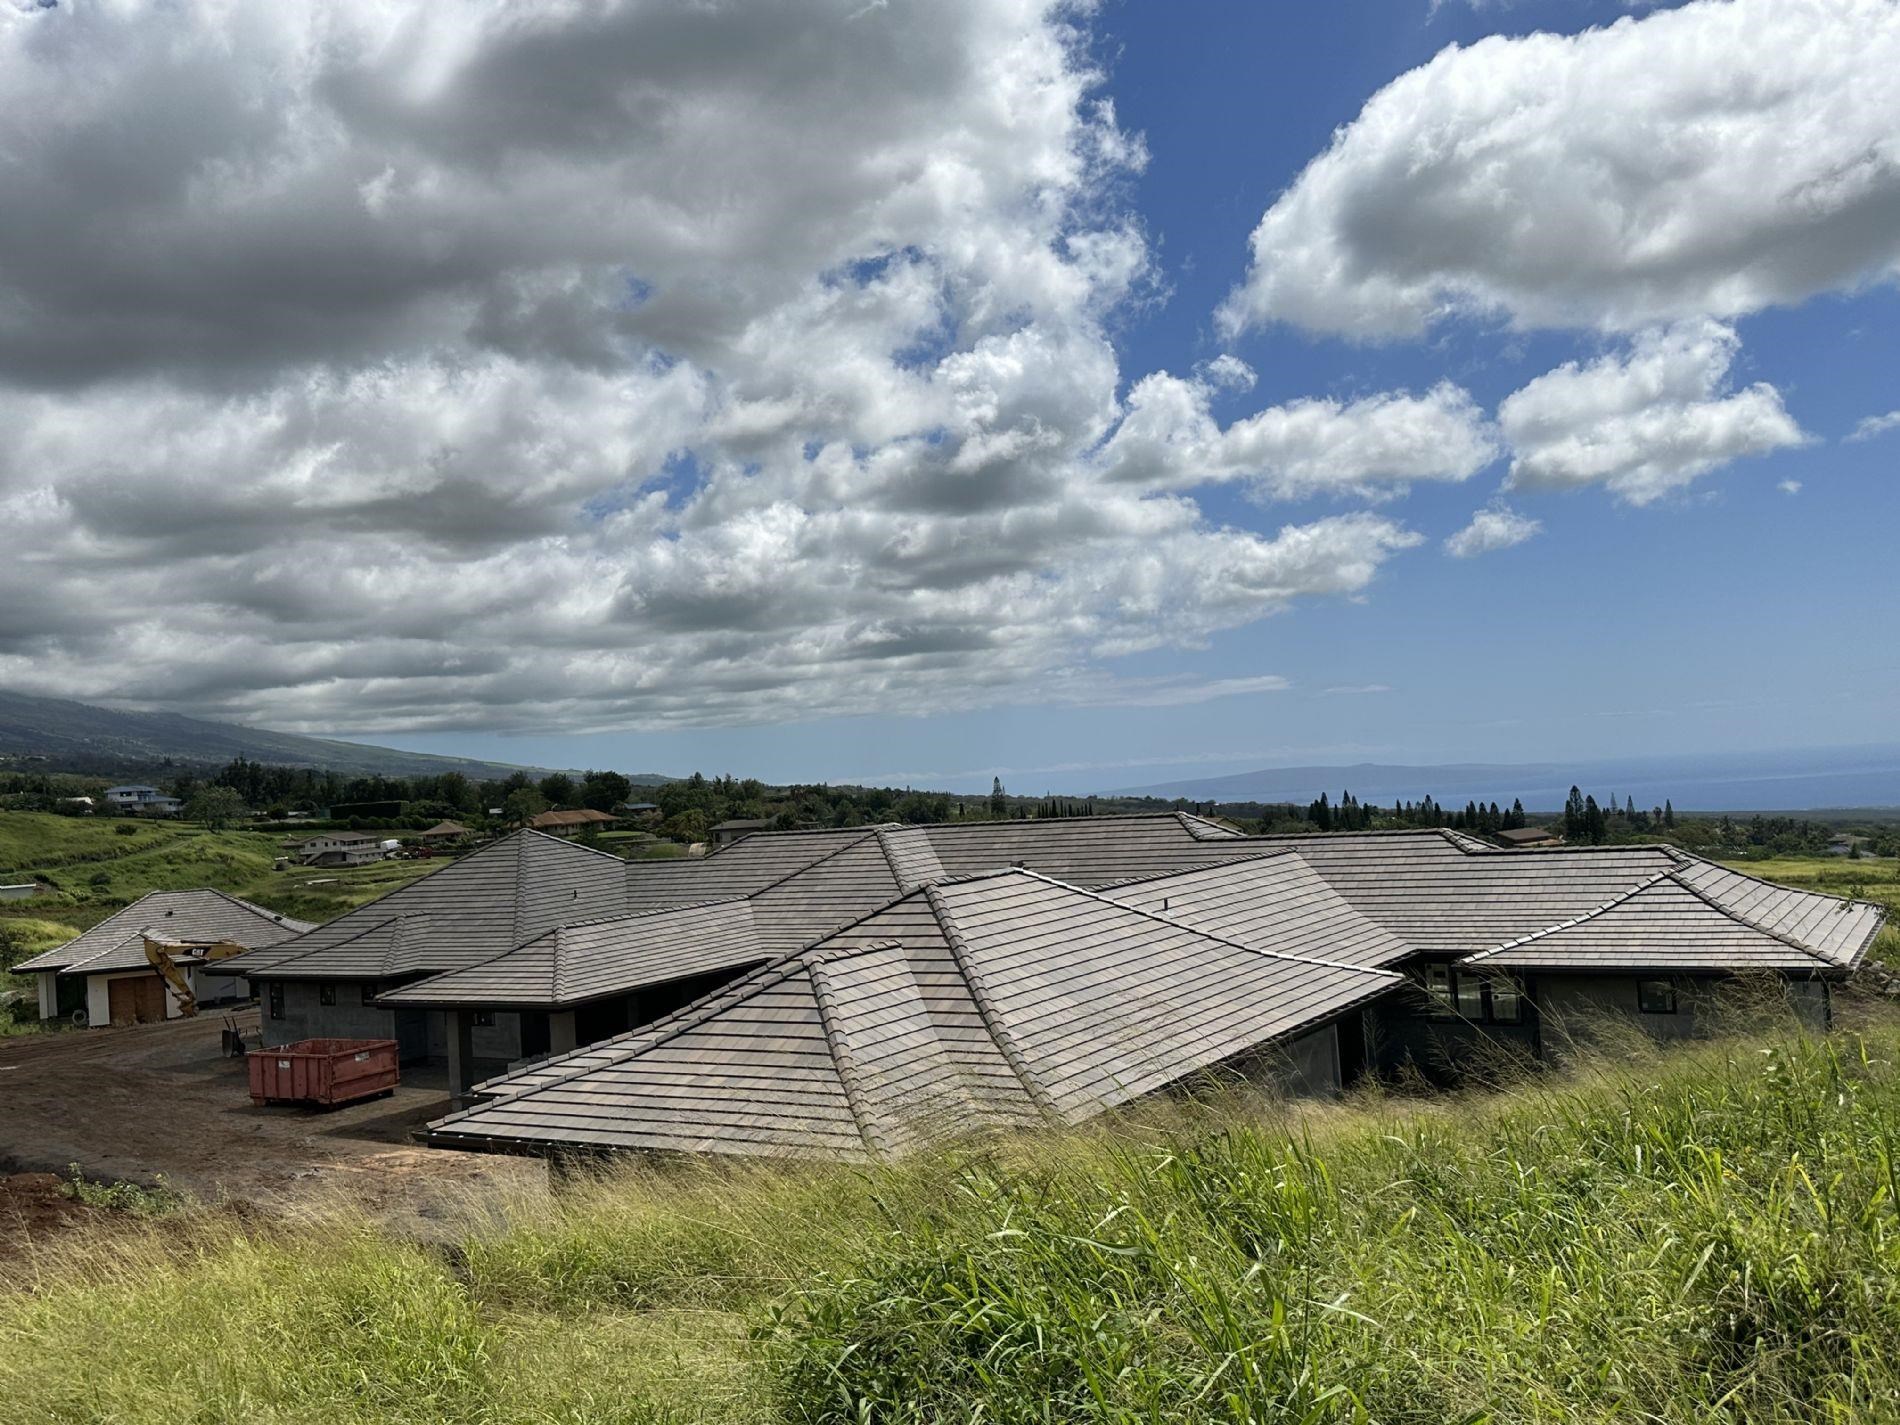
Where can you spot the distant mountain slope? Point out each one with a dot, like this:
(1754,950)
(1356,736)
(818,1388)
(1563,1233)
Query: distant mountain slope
(1756,781)
(82,738)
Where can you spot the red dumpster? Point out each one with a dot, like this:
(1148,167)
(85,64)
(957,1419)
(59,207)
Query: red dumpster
(325,1071)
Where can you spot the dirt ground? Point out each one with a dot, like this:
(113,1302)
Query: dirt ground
(160,1101)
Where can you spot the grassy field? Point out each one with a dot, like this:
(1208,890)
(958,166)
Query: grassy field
(94,868)
(1708,1235)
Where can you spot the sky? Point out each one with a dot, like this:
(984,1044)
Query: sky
(913,393)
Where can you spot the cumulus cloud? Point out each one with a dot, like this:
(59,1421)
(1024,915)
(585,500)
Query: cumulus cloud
(371,366)
(1788,487)
(1645,423)
(1712,159)
(1170,439)
(1871,426)
(1495,527)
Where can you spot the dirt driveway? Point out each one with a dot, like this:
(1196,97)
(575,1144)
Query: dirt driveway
(157,1100)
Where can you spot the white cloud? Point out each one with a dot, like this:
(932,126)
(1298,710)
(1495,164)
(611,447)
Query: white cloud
(1712,159)
(369,390)
(1871,426)
(1493,528)
(1642,424)
(1788,487)
(1170,439)
(1357,689)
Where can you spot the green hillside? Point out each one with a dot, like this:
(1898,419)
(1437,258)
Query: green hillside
(91,867)
(66,736)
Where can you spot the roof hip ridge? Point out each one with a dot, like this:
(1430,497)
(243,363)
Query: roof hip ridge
(1578,919)
(841,1055)
(986,1007)
(1757,926)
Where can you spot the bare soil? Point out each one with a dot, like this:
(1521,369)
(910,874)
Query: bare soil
(159,1102)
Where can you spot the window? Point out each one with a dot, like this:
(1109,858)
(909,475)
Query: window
(1470,997)
(1656,996)
(1438,986)
(276,1000)
(1507,1001)
(367,992)
(326,994)
(484,1019)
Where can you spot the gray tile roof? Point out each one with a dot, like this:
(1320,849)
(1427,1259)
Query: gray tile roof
(118,942)
(998,999)
(572,964)
(1447,894)
(470,911)
(1086,851)
(1663,923)
(1837,930)
(1274,902)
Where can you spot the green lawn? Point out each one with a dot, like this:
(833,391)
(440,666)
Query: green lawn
(1707,1235)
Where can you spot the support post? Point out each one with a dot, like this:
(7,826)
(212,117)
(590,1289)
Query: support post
(461,1055)
(562,1038)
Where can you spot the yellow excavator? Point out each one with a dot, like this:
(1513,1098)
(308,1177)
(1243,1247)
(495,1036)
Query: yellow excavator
(164,953)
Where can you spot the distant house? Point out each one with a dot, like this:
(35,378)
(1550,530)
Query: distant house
(567,823)
(342,848)
(76,806)
(444,833)
(732,830)
(1529,836)
(140,800)
(640,811)
(107,973)
(24,891)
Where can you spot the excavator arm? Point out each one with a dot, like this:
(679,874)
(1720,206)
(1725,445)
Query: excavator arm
(163,953)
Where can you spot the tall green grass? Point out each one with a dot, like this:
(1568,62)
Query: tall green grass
(1707,1234)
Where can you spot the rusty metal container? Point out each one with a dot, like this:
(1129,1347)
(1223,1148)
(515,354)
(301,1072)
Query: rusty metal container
(324,1071)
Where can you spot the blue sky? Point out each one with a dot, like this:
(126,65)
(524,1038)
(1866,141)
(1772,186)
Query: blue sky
(965,425)
(1737,618)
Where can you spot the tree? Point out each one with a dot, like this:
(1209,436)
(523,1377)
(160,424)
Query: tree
(603,791)
(999,800)
(1573,814)
(1594,827)
(216,807)
(523,805)
(558,788)
(688,826)
(1669,812)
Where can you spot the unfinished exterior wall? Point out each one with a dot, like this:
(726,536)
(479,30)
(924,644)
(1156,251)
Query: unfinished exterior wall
(1580,1008)
(422,1033)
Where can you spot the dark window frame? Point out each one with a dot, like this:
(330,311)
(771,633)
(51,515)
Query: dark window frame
(326,995)
(1472,995)
(1670,1003)
(274,999)
(366,992)
(482,1019)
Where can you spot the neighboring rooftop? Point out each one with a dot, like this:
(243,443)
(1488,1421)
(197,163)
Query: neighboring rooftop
(563,820)
(118,941)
